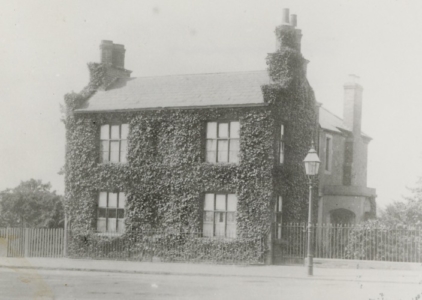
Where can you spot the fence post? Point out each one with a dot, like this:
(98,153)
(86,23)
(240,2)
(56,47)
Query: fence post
(7,242)
(65,236)
(26,242)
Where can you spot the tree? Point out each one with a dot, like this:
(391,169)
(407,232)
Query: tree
(407,213)
(31,204)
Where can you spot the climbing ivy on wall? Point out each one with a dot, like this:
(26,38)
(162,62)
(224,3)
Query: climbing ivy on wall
(294,105)
(166,176)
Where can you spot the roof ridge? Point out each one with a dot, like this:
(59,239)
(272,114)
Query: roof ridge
(196,74)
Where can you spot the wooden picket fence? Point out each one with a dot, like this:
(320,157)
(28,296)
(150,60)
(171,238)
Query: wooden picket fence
(32,242)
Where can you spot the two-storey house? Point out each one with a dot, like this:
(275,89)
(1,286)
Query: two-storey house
(220,154)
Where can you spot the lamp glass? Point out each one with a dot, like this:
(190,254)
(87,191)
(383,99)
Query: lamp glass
(311,162)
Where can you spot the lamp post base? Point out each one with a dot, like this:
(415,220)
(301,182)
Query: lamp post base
(310,264)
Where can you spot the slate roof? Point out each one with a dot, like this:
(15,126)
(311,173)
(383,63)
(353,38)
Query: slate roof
(243,88)
(331,122)
(192,91)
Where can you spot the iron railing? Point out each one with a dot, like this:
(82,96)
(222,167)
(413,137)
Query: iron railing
(360,242)
(331,241)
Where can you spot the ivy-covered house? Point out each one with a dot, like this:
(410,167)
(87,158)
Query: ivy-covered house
(219,154)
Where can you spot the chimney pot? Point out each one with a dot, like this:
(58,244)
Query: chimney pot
(352,79)
(293,20)
(285,17)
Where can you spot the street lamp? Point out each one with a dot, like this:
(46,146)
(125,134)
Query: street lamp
(311,162)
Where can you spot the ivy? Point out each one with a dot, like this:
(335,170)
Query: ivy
(287,36)
(166,176)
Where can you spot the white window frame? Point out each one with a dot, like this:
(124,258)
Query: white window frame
(105,208)
(281,153)
(328,153)
(217,221)
(108,137)
(214,143)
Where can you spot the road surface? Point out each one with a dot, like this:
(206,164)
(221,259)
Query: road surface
(47,284)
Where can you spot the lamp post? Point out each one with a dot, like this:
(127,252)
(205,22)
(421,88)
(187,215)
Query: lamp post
(311,162)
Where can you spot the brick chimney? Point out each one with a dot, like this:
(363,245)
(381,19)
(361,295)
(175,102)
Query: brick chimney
(354,172)
(287,64)
(113,57)
(352,105)
(287,34)
(112,54)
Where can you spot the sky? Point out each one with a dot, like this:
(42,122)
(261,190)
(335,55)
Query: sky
(46,44)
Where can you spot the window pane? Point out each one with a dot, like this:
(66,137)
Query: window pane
(114,151)
(209,202)
(220,217)
(234,151)
(123,157)
(112,200)
(111,225)
(123,150)
(231,202)
(115,132)
(231,230)
(104,146)
(121,226)
(125,131)
(231,217)
(102,199)
(102,212)
(223,130)
(208,217)
(101,225)
(220,225)
(220,230)
(104,151)
(220,202)
(280,204)
(208,230)
(112,213)
(223,150)
(211,150)
(105,132)
(123,146)
(281,152)
(104,156)
(122,200)
(234,129)
(211,130)
(120,213)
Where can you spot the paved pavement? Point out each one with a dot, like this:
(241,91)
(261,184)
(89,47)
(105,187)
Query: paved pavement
(333,270)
